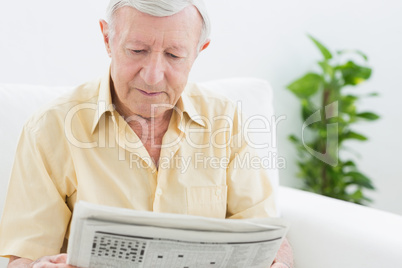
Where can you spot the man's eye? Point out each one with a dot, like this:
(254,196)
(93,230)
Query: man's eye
(173,56)
(137,51)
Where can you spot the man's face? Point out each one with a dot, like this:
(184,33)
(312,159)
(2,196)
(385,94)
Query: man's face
(151,58)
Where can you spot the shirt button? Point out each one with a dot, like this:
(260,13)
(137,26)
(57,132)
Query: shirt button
(159,191)
(218,192)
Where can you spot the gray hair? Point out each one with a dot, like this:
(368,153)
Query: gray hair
(162,8)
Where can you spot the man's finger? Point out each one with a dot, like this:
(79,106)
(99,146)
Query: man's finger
(52,261)
(61,258)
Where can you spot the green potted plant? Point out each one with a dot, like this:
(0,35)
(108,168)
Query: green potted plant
(329,112)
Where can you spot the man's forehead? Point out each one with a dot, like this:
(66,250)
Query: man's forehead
(144,33)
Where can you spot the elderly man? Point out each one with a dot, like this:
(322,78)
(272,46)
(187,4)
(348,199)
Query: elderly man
(121,140)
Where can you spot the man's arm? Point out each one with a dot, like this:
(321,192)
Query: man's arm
(284,257)
(48,261)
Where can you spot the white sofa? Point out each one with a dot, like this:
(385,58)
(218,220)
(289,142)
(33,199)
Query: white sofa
(324,233)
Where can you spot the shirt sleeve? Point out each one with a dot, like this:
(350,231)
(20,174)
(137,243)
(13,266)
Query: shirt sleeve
(250,193)
(35,216)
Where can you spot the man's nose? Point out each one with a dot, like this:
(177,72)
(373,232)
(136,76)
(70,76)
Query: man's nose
(153,70)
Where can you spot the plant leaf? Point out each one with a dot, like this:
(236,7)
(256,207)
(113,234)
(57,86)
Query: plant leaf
(368,116)
(374,94)
(360,179)
(349,163)
(326,68)
(345,51)
(306,86)
(347,167)
(364,56)
(354,74)
(308,108)
(347,104)
(324,51)
(351,135)
(294,139)
(357,195)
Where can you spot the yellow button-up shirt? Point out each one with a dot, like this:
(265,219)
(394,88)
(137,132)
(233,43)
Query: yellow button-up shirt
(80,148)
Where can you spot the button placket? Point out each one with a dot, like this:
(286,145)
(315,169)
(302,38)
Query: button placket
(159,192)
(218,194)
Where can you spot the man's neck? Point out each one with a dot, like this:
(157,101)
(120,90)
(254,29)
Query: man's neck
(148,129)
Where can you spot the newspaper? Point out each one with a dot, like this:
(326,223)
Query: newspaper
(111,237)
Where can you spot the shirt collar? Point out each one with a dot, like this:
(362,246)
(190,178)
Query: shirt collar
(186,105)
(104,102)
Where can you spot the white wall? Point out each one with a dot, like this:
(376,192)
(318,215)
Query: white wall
(59,43)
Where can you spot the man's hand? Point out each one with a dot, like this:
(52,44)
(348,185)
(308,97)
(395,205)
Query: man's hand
(284,257)
(279,265)
(58,261)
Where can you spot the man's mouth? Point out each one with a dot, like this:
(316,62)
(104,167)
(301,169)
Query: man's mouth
(149,94)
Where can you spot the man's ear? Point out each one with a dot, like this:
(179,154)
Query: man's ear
(106,35)
(205,45)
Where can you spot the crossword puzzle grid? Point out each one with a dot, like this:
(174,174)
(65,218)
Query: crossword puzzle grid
(115,251)
(106,246)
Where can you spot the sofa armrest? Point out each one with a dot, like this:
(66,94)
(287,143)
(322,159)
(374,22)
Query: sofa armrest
(330,233)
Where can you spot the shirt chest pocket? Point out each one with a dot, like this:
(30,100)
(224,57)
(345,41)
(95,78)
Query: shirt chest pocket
(207,201)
